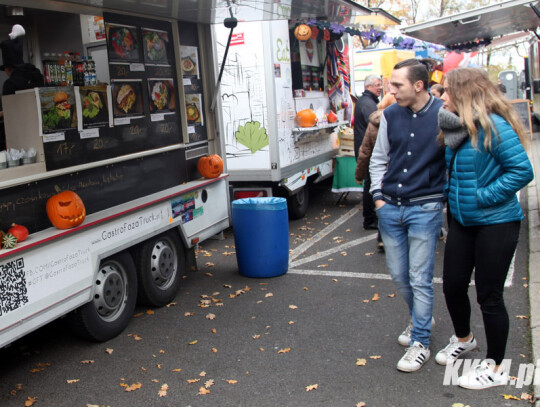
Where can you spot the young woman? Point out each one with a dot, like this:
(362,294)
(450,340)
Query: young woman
(487,166)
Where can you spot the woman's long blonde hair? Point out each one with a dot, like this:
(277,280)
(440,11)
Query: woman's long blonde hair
(475,97)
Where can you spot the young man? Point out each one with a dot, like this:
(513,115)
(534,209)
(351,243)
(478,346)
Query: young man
(366,104)
(407,180)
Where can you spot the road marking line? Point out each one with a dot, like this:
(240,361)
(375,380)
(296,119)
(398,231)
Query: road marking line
(334,250)
(297,251)
(330,273)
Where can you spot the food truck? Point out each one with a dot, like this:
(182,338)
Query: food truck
(110,148)
(495,25)
(271,74)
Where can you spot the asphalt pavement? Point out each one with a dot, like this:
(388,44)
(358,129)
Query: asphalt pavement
(323,334)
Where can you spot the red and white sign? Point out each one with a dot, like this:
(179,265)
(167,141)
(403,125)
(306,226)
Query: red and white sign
(237,39)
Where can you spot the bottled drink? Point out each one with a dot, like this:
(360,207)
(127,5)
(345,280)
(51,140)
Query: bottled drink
(69,68)
(47,69)
(92,71)
(86,76)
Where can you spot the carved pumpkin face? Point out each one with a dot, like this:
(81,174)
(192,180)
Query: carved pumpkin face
(211,166)
(302,32)
(306,118)
(66,210)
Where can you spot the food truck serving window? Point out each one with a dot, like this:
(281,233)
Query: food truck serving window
(307,62)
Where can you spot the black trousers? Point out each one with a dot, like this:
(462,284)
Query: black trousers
(489,251)
(368,206)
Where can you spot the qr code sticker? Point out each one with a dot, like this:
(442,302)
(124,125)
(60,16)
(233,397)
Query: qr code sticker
(13,291)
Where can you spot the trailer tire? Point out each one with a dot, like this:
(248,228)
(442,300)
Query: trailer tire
(113,302)
(298,203)
(159,263)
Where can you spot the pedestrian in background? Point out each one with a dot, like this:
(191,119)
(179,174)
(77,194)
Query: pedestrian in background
(436,90)
(366,149)
(365,105)
(487,166)
(408,175)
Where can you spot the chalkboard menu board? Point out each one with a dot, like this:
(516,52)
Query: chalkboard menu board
(143,96)
(522,107)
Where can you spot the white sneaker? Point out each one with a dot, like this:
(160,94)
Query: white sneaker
(405,338)
(454,350)
(414,358)
(483,377)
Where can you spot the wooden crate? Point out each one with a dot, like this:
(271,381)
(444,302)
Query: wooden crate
(346,142)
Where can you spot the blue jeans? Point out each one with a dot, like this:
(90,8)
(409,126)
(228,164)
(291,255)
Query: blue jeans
(410,235)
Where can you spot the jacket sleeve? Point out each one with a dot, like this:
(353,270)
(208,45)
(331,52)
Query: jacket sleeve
(379,160)
(516,168)
(364,153)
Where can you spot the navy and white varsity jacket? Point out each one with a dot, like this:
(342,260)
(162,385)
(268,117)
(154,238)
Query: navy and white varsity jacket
(407,166)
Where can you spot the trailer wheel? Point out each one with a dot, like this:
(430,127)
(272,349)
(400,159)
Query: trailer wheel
(159,262)
(298,203)
(115,293)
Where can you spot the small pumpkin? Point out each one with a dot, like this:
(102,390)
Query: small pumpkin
(332,117)
(210,166)
(19,231)
(9,241)
(302,32)
(66,210)
(306,118)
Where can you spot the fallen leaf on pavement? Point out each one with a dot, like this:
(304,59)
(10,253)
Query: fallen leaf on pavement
(214,331)
(370,253)
(365,301)
(209,383)
(193,380)
(30,401)
(150,312)
(171,304)
(73,381)
(232,381)
(361,404)
(210,316)
(163,391)
(202,374)
(361,362)
(526,396)
(322,265)
(214,350)
(268,295)
(109,351)
(286,350)
(208,264)
(375,357)
(510,397)
(376,297)
(392,295)
(209,274)
(87,362)
(256,336)
(522,317)
(312,387)
(202,391)
(293,306)
(133,387)
(137,315)
(193,342)
(177,370)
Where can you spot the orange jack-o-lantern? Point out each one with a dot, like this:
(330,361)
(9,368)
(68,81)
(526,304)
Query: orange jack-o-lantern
(66,210)
(302,32)
(211,166)
(306,118)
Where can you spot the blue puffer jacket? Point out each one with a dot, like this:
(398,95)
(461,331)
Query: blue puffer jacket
(483,185)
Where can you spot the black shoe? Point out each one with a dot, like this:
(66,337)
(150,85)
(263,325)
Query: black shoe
(371,226)
(380,246)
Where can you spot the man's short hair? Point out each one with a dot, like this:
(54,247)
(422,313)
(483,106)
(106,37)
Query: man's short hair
(416,71)
(370,80)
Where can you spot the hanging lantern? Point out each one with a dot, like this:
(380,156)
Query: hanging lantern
(326,36)
(302,32)
(314,32)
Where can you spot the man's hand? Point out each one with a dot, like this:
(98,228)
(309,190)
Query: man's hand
(379,203)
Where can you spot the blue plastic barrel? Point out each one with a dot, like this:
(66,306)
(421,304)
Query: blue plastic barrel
(261,235)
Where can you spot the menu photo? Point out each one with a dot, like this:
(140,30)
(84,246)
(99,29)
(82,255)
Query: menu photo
(162,95)
(94,107)
(194,109)
(122,43)
(58,112)
(189,61)
(127,98)
(155,47)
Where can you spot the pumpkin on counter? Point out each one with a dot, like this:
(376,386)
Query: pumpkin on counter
(66,210)
(19,231)
(210,166)
(306,118)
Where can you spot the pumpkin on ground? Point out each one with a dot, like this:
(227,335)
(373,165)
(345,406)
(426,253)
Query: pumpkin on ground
(66,210)
(19,231)
(302,32)
(210,166)
(306,118)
